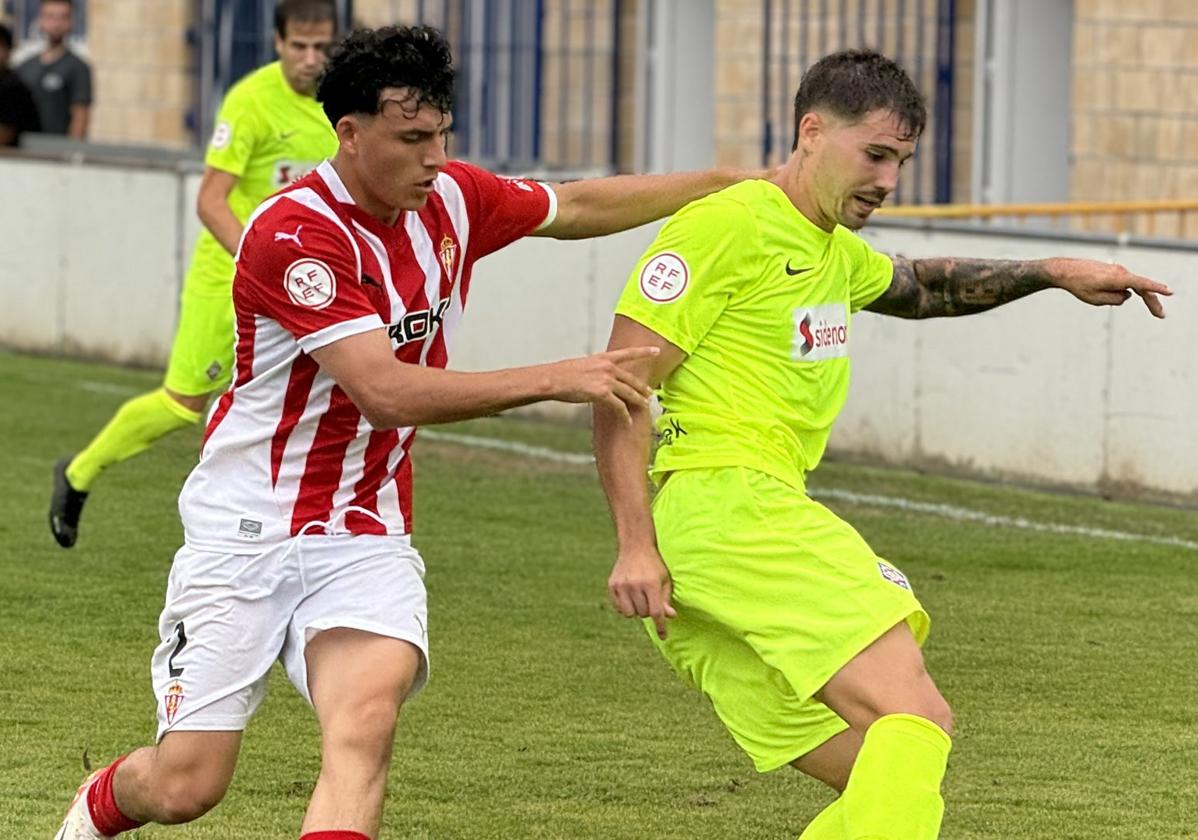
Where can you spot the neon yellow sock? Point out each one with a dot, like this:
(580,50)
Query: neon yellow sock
(894,790)
(136,425)
(827,825)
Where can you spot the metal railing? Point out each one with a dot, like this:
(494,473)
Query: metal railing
(538,80)
(919,34)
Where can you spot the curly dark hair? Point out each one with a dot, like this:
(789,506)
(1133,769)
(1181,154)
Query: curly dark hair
(851,83)
(367,61)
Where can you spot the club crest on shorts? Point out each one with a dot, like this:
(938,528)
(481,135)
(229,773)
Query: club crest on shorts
(665,277)
(893,575)
(172,700)
(449,253)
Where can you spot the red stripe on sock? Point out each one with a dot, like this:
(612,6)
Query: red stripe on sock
(334,835)
(107,817)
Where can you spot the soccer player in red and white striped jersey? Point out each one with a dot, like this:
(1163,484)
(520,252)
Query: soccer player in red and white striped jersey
(350,287)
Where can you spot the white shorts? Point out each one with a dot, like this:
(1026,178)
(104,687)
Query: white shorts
(228,617)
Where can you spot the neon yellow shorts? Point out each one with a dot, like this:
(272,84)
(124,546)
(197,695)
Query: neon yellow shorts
(774,595)
(202,353)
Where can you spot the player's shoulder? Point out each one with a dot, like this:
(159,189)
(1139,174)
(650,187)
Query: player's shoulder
(467,175)
(850,241)
(298,219)
(253,85)
(734,208)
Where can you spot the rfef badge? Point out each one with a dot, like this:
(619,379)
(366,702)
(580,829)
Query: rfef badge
(664,277)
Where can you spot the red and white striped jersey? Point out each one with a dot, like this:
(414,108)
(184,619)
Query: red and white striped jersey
(285,446)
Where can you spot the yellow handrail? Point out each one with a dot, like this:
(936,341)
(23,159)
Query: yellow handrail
(1081,208)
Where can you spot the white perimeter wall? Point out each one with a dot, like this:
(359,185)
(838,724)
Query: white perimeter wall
(1044,389)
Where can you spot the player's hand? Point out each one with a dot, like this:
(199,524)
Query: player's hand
(1106,284)
(608,378)
(639,586)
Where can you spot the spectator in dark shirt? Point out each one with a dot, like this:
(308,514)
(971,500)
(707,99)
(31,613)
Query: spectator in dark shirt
(60,81)
(18,114)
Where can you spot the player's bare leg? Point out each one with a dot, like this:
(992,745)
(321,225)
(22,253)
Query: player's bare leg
(832,761)
(357,681)
(177,781)
(886,678)
(893,790)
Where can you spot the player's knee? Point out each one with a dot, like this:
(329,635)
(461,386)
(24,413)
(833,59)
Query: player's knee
(365,728)
(183,799)
(940,713)
(932,707)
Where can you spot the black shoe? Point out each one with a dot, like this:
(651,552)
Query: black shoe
(65,507)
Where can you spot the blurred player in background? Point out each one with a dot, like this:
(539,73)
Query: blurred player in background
(269,132)
(805,641)
(350,287)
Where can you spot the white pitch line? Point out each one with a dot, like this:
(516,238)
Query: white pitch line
(107,388)
(952,512)
(966,515)
(509,446)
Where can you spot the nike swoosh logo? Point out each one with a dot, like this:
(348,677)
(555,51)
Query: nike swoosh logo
(793,271)
(286,135)
(370,281)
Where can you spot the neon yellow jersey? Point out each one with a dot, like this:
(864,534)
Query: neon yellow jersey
(268,136)
(760,299)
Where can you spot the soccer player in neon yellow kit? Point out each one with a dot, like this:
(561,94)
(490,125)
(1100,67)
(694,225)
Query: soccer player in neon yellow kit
(805,641)
(270,130)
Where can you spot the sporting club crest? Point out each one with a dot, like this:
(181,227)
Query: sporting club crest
(172,701)
(449,253)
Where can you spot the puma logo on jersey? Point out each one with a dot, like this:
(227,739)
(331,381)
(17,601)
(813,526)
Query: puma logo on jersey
(294,237)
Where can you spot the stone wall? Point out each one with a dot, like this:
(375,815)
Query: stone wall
(1135,106)
(142,71)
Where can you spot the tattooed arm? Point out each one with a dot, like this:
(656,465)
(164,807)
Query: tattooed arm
(946,286)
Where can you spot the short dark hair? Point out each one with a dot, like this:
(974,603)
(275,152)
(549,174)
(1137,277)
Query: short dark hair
(852,83)
(367,61)
(303,11)
(70,3)
(5,37)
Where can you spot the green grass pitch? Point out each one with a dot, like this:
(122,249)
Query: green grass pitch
(1069,659)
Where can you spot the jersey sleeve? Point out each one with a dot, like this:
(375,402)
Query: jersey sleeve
(500,210)
(870,271)
(313,290)
(686,278)
(235,134)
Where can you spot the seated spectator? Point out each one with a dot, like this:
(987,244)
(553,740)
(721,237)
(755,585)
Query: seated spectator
(18,114)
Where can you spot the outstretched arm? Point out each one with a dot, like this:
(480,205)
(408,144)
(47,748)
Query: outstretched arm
(639,584)
(391,394)
(946,286)
(599,206)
